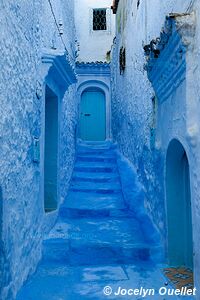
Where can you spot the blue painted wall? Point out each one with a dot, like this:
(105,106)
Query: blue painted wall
(27,29)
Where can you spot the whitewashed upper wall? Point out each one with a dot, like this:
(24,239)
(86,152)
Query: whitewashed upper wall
(93,45)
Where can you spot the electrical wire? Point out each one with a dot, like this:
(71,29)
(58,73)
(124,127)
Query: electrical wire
(190,5)
(58,27)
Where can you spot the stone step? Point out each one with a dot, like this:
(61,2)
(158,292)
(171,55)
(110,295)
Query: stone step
(79,204)
(92,152)
(55,250)
(95,164)
(74,252)
(107,232)
(97,187)
(93,201)
(60,252)
(70,213)
(82,158)
(90,242)
(66,213)
(95,169)
(96,178)
(108,255)
(92,145)
(97,190)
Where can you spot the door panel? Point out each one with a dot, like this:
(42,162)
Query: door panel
(51,151)
(179,212)
(93,116)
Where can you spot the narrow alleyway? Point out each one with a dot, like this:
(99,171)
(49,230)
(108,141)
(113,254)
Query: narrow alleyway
(96,241)
(100,150)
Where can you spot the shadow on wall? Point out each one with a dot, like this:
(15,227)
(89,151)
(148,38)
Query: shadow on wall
(134,199)
(51,151)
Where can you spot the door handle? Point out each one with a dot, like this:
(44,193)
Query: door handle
(87,115)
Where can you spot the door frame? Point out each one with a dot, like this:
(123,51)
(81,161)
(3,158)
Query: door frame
(55,98)
(175,157)
(55,90)
(80,111)
(99,85)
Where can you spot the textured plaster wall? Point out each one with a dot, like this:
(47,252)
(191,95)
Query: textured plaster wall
(26,28)
(93,45)
(142,127)
(68,138)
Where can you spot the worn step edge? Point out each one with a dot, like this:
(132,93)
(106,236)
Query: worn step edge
(66,213)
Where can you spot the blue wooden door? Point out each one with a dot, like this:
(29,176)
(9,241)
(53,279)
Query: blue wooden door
(93,116)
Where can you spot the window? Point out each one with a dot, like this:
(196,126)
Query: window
(99,19)
(122,60)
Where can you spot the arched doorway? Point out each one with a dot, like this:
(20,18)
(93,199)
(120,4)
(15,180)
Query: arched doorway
(51,151)
(92,125)
(179,216)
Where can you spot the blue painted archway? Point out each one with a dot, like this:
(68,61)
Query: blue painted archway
(96,86)
(179,215)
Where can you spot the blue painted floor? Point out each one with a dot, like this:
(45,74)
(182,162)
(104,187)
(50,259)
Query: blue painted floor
(96,241)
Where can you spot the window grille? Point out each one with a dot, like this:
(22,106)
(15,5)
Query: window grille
(99,19)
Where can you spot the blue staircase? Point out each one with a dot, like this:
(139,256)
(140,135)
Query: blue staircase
(95,233)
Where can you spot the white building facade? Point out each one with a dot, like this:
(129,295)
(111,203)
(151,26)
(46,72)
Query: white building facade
(95,26)
(94,41)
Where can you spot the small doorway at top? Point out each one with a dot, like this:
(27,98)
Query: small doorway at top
(92,125)
(51,151)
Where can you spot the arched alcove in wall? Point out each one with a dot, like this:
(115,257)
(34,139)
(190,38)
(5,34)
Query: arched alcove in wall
(178,198)
(57,74)
(51,151)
